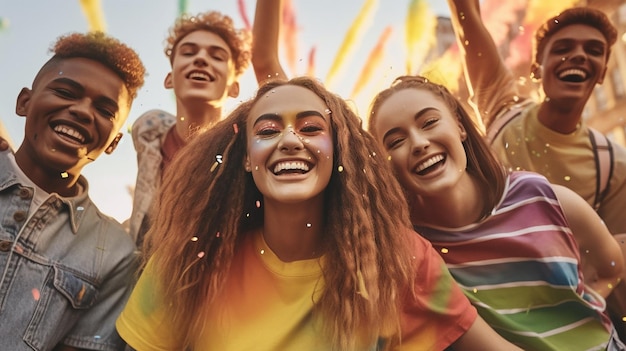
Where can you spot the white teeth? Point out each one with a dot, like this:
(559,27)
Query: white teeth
(71,132)
(431,161)
(291,165)
(573,72)
(199,75)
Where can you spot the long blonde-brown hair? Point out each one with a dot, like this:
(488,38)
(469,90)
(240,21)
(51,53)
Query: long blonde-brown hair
(208,196)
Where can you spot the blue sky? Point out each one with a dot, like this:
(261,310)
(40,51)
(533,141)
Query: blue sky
(29,27)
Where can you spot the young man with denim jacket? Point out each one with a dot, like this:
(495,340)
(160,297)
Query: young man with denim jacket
(66,269)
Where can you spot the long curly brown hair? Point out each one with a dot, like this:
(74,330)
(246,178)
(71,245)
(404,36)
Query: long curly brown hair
(238,40)
(368,245)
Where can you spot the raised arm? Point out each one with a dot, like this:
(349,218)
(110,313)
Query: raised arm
(490,82)
(265,34)
(601,256)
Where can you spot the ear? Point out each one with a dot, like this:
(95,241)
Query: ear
(536,71)
(233,90)
(23,98)
(601,79)
(167,83)
(113,143)
(246,164)
(462,131)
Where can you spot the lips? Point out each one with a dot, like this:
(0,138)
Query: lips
(573,75)
(200,76)
(423,166)
(70,133)
(283,167)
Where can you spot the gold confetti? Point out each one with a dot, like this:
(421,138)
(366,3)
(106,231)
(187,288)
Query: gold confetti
(64,175)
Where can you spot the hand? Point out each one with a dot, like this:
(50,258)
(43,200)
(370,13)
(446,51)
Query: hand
(4,145)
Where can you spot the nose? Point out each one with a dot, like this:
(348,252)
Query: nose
(201,59)
(81,109)
(290,141)
(419,142)
(578,54)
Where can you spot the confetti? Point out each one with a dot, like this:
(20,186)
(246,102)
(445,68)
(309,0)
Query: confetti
(236,128)
(64,175)
(214,166)
(200,254)
(258,203)
(36,294)
(444,250)
(194,239)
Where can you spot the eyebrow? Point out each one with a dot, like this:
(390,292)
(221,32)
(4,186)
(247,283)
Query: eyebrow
(419,114)
(277,118)
(75,85)
(211,47)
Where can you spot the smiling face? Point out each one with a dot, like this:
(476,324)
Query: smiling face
(73,112)
(290,145)
(423,139)
(203,69)
(573,62)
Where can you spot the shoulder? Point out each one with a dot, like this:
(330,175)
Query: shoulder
(157,121)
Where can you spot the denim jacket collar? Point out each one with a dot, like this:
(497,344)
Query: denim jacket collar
(77,205)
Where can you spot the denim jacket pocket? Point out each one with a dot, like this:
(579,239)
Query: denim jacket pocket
(66,297)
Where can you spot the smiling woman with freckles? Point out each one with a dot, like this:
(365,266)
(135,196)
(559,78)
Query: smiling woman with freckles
(281,229)
(534,258)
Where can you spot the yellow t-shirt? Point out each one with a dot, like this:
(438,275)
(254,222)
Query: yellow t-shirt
(267,304)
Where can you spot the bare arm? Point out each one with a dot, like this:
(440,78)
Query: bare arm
(265,34)
(480,337)
(602,259)
(489,81)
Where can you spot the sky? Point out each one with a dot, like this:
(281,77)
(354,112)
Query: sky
(29,27)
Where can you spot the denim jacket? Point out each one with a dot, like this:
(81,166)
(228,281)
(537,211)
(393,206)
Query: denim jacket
(149,132)
(66,271)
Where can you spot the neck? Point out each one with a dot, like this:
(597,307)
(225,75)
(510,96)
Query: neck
(51,181)
(460,206)
(294,231)
(560,117)
(189,120)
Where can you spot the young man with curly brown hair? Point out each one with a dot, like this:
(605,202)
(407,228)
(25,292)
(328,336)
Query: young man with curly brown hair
(208,56)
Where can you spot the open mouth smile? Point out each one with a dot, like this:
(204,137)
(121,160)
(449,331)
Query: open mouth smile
(291,167)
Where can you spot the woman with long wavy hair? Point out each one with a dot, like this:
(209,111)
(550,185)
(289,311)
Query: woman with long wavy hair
(282,228)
